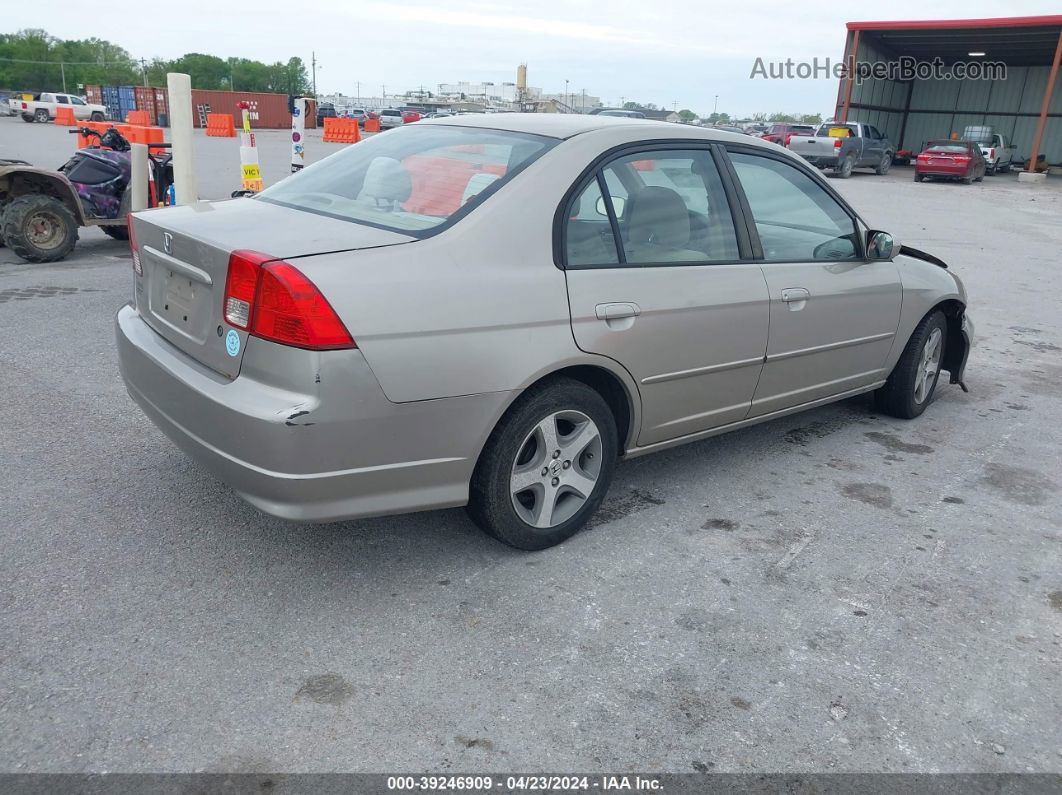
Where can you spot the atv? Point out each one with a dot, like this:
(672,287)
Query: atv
(41,210)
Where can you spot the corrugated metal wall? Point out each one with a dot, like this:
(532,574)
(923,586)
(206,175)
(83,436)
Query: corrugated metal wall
(940,107)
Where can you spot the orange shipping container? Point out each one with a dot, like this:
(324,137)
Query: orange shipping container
(268,111)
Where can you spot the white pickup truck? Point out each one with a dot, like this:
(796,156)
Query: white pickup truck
(43,106)
(999,154)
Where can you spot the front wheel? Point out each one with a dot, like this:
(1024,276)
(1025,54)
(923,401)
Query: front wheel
(546,467)
(39,228)
(884,165)
(96,116)
(913,381)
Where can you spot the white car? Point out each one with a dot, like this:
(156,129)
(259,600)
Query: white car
(43,106)
(391,118)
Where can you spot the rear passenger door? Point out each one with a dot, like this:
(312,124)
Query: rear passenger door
(656,281)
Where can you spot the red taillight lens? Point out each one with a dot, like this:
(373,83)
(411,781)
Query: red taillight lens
(25,106)
(961,158)
(133,247)
(290,310)
(273,300)
(836,143)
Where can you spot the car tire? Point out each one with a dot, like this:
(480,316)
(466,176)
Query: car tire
(913,381)
(21,212)
(28,118)
(967,180)
(919,177)
(844,171)
(884,165)
(116,232)
(584,433)
(41,115)
(1004,169)
(990,171)
(96,116)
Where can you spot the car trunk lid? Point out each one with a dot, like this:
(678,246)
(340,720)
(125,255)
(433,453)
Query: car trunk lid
(184,257)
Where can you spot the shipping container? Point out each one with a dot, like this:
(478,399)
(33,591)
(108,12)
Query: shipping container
(94,95)
(268,111)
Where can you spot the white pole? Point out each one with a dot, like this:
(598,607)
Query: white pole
(139,178)
(180,89)
(298,134)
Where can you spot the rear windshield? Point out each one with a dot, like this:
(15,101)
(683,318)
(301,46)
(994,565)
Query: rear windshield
(961,149)
(836,131)
(410,179)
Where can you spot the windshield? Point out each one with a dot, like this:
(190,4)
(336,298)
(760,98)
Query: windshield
(961,149)
(411,179)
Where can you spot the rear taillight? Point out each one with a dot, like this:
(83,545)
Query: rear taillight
(240,286)
(133,247)
(25,106)
(273,300)
(836,143)
(961,158)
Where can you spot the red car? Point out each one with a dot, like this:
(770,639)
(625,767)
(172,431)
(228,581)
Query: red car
(951,160)
(781,133)
(410,116)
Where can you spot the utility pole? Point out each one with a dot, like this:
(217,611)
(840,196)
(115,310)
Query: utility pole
(358,83)
(143,70)
(313,62)
(383,90)
(583,103)
(62,71)
(715,107)
(566,95)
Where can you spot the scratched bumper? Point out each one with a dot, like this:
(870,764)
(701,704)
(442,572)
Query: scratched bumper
(306,435)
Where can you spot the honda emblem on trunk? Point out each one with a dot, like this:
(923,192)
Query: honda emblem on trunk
(167,242)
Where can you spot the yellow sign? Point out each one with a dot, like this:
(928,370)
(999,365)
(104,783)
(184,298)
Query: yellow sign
(840,132)
(252,172)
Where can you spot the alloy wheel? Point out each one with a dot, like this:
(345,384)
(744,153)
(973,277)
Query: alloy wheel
(556,469)
(928,366)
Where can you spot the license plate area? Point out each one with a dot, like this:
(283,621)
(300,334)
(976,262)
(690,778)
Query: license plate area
(181,303)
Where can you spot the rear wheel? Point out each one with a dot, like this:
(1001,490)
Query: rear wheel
(546,467)
(913,381)
(96,116)
(28,118)
(884,165)
(39,228)
(41,115)
(990,170)
(844,171)
(967,180)
(919,177)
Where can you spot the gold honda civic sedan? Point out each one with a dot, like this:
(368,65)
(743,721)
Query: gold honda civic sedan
(492,311)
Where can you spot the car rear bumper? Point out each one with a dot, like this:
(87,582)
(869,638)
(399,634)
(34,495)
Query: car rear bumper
(943,171)
(307,436)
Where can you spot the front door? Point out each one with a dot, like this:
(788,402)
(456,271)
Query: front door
(656,282)
(833,313)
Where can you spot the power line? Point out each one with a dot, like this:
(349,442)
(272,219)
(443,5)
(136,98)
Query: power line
(69,63)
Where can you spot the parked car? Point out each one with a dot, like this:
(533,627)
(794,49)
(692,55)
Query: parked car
(781,133)
(360,114)
(457,314)
(325,110)
(960,160)
(410,116)
(391,117)
(43,106)
(844,147)
(726,128)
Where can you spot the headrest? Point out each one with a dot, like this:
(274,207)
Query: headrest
(386,180)
(659,216)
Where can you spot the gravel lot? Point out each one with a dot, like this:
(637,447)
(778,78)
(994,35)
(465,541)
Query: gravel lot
(833,591)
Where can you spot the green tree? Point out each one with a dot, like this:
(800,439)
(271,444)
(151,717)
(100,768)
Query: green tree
(781,117)
(686,115)
(811,118)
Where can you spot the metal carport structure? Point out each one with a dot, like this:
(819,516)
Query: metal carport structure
(1026,107)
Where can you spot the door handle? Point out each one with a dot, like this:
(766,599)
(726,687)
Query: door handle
(616,311)
(794,294)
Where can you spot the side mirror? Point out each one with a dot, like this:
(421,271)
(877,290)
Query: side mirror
(881,245)
(618,203)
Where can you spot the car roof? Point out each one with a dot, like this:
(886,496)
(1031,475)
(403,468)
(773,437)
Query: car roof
(566,125)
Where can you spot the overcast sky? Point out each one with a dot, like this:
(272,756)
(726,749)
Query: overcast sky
(683,52)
